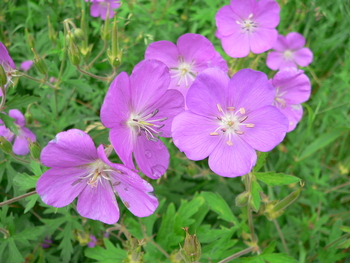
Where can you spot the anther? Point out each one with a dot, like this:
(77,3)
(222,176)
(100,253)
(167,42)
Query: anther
(239,132)
(135,120)
(76,182)
(250,125)
(230,108)
(219,118)
(213,133)
(126,204)
(219,107)
(161,126)
(229,143)
(116,183)
(243,119)
(242,110)
(154,113)
(223,129)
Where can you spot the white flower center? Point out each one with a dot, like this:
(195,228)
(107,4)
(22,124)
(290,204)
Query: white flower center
(146,124)
(248,25)
(10,72)
(230,123)
(184,72)
(279,100)
(288,55)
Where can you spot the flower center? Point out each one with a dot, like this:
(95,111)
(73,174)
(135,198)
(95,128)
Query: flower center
(8,70)
(248,25)
(279,100)
(230,122)
(288,55)
(147,125)
(184,72)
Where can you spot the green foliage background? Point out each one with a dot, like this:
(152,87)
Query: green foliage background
(190,195)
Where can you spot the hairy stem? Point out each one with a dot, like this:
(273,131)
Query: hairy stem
(15,199)
(42,81)
(237,255)
(93,75)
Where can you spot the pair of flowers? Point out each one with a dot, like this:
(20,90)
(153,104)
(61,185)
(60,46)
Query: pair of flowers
(249,25)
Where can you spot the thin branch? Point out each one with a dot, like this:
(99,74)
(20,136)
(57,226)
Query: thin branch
(237,255)
(15,199)
(93,75)
(281,236)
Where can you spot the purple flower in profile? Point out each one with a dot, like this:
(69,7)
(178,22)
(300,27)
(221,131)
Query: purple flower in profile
(247,25)
(228,119)
(92,242)
(99,8)
(191,55)
(7,63)
(292,88)
(289,52)
(80,170)
(46,243)
(26,65)
(21,141)
(138,109)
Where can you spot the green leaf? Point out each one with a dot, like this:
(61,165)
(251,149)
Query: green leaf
(345,228)
(36,168)
(31,202)
(9,122)
(261,161)
(255,190)
(18,101)
(278,258)
(345,244)
(14,254)
(219,205)
(25,182)
(111,254)
(270,248)
(322,141)
(273,178)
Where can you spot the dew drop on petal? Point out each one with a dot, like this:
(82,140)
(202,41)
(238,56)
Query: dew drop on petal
(158,170)
(148,154)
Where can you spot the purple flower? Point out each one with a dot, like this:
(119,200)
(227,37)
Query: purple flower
(92,242)
(138,109)
(26,65)
(46,243)
(7,63)
(247,25)
(79,169)
(292,88)
(99,8)
(289,52)
(228,119)
(21,141)
(192,54)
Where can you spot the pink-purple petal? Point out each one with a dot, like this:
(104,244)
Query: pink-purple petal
(244,8)
(226,21)
(274,60)
(69,148)
(117,103)
(20,145)
(99,203)
(267,14)
(152,157)
(303,57)
(295,41)
(281,44)
(164,51)
(18,116)
(236,45)
(191,134)
(58,187)
(250,89)
(270,127)
(232,161)
(5,56)
(149,81)
(294,113)
(262,40)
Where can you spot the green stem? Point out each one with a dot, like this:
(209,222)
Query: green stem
(3,98)
(19,159)
(105,45)
(42,81)
(93,75)
(336,241)
(237,255)
(15,199)
(248,183)
(281,236)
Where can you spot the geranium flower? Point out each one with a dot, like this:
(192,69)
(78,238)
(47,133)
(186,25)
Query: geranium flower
(192,54)
(80,170)
(21,141)
(138,109)
(7,63)
(92,242)
(228,119)
(247,25)
(26,65)
(289,52)
(292,88)
(99,8)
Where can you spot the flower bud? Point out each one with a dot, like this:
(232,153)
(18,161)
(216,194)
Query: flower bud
(192,251)
(52,32)
(40,63)
(114,54)
(242,199)
(3,76)
(5,145)
(35,150)
(79,34)
(30,39)
(73,52)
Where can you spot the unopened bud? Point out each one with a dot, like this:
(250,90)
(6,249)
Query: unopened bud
(3,76)
(242,199)
(114,54)
(35,150)
(192,251)
(73,51)
(40,63)
(5,145)
(52,32)
(105,34)
(79,34)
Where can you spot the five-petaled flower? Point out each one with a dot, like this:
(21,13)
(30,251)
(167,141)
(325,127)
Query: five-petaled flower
(247,25)
(80,170)
(292,88)
(99,8)
(289,51)
(7,63)
(138,109)
(191,55)
(227,119)
(21,141)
